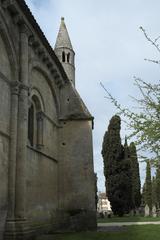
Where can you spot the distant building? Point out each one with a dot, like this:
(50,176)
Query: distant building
(103,205)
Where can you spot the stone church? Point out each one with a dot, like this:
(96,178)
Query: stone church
(46,157)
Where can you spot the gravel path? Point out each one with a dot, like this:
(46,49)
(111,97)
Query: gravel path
(120,224)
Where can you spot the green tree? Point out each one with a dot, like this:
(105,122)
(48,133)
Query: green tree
(116,169)
(96,189)
(148,186)
(143,199)
(135,176)
(145,123)
(129,171)
(158,186)
(154,194)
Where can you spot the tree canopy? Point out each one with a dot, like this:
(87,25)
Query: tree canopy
(116,169)
(135,176)
(144,123)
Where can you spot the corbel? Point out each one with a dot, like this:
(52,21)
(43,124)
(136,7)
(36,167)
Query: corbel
(49,64)
(15,86)
(18,18)
(8,4)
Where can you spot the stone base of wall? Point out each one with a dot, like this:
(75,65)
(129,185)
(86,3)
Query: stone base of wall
(24,230)
(70,221)
(3,216)
(77,220)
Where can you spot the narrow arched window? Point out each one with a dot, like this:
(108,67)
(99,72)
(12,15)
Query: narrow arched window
(31,125)
(63,57)
(68,57)
(35,123)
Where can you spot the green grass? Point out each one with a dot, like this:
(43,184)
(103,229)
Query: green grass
(128,219)
(145,232)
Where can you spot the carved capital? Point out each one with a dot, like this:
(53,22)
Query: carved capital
(53,71)
(45,59)
(49,65)
(33,42)
(15,88)
(41,51)
(24,29)
(23,87)
(18,19)
(8,3)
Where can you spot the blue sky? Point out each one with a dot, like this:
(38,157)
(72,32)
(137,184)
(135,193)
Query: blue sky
(110,48)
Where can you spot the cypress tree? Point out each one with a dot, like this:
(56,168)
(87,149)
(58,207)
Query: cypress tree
(154,194)
(158,187)
(135,176)
(116,168)
(148,186)
(129,173)
(96,189)
(143,199)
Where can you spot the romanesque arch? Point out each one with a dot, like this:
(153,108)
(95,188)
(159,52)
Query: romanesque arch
(37,66)
(36,113)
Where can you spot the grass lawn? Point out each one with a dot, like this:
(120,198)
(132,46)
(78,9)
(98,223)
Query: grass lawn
(128,219)
(147,232)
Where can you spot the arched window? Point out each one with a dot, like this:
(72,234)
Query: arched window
(63,57)
(68,57)
(35,123)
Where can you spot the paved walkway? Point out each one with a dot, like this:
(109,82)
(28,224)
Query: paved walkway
(120,224)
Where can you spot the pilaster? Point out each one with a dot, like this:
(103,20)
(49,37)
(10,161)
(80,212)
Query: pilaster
(17,226)
(22,126)
(13,150)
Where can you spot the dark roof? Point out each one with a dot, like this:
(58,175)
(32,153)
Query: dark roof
(25,9)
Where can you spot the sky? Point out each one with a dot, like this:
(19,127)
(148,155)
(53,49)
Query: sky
(110,48)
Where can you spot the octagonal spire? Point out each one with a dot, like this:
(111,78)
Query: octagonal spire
(63,39)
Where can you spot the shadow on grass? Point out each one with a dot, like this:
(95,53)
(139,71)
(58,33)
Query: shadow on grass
(145,232)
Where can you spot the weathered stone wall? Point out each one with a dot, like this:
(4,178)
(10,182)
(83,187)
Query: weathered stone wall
(50,139)
(76,173)
(5,75)
(42,165)
(42,187)
(5,64)
(4,149)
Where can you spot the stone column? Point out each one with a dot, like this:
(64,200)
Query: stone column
(13,150)
(22,134)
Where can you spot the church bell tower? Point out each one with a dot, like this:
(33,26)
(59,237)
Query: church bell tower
(64,51)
